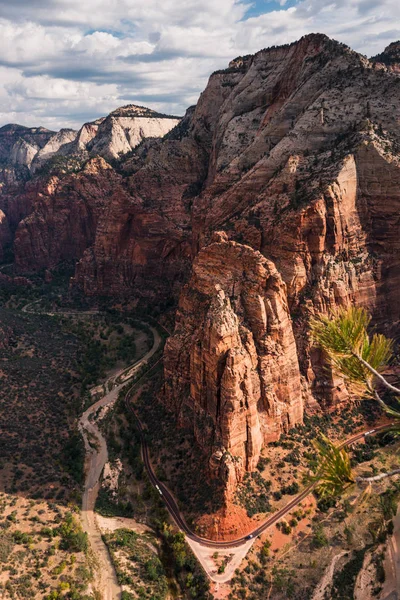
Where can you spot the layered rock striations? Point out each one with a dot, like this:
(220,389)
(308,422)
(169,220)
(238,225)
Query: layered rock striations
(389,58)
(143,241)
(28,159)
(303,168)
(125,128)
(54,146)
(64,216)
(109,137)
(294,154)
(278,140)
(17,141)
(231,365)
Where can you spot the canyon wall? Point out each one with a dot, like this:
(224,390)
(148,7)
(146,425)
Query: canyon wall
(64,216)
(231,366)
(276,197)
(53,185)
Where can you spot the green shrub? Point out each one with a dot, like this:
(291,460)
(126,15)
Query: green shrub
(319,538)
(73,538)
(6,545)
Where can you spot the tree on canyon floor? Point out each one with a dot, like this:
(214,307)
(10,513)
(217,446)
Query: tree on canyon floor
(360,359)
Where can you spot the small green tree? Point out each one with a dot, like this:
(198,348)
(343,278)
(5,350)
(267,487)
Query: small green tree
(73,538)
(319,540)
(334,471)
(360,359)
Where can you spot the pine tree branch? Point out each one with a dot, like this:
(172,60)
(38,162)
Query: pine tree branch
(378,398)
(377,477)
(377,375)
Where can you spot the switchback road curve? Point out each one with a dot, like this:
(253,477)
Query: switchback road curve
(161,488)
(173,508)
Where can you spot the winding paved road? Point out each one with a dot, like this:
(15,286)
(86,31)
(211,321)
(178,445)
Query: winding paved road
(173,508)
(96,458)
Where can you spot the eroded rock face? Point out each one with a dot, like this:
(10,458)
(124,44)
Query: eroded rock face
(125,128)
(53,146)
(48,191)
(231,366)
(71,206)
(294,154)
(5,234)
(18,147)
(85,135)
(142,245)
(389,58)
(11,137)
(109,137)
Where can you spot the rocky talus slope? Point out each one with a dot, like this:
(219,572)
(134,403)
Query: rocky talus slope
(275,197)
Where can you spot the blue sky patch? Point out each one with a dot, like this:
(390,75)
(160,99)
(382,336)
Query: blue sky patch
(261,7)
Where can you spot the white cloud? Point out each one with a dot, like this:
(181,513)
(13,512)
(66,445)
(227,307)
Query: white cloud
(66,61)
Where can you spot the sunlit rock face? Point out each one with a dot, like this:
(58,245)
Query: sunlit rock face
(110,137)
(125,128)
(389,59)
(47,187)
(231,366)
(277,196)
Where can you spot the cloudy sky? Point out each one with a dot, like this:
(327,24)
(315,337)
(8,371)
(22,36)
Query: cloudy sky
(64,62)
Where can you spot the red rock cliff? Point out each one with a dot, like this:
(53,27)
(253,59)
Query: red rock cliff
(231,366)
(295,154)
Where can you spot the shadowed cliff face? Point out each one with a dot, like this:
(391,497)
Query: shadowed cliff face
(389,59)
(231,366)
(66,212)
(294,155)
(5,235)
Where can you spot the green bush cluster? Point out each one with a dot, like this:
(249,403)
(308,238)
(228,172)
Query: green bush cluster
(107,506)
(73,538)
(146,571)
(190,575)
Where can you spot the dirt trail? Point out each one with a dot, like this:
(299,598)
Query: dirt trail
(96,458)
(319,593)
(110,524)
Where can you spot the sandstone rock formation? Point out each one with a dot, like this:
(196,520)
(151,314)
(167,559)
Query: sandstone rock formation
(82,140)
(109,137)
(231,366)
(53,146)
(126,127)
(18,148)
(37,137)
(294,153)
(389,58)
(143,239)
(72,206)
(55,212)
